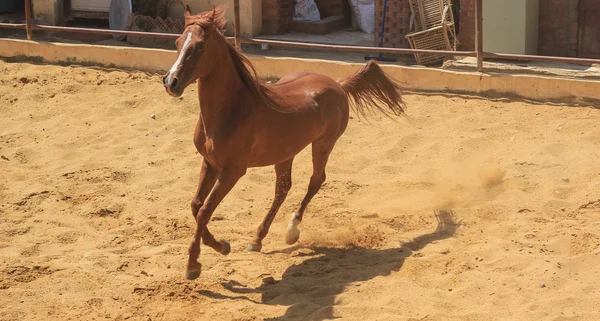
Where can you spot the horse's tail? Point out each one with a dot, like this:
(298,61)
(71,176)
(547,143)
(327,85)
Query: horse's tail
(370,88)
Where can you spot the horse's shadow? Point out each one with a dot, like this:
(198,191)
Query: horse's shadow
(309,288)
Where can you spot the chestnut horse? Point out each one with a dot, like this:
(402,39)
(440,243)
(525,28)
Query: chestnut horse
(245,122)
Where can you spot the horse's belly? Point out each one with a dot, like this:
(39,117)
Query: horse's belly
(277,144)
(274,154)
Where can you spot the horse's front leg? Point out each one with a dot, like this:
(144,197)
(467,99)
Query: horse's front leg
(226,180)
(208,177)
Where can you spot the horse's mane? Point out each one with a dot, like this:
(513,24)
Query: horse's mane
(245,70)
(215,18)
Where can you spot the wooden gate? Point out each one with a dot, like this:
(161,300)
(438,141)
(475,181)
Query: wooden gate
(589,29)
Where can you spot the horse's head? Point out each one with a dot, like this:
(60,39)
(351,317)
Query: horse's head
(194,59)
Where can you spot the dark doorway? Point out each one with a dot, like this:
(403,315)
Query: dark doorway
(589,29)
(456,12)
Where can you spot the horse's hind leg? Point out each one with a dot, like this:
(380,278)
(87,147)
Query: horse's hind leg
(283,184)
(320,154)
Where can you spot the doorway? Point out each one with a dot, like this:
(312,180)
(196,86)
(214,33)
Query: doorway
(589,29)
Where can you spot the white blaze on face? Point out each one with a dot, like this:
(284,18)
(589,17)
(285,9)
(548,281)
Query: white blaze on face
(188,39)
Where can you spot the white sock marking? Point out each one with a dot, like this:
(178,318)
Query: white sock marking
(293,222)
(292,233)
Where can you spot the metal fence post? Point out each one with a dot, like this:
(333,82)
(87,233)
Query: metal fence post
(28,18)
(479,34)
(236,11)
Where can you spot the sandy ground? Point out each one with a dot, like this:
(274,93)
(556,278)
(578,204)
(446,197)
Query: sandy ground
(473,209)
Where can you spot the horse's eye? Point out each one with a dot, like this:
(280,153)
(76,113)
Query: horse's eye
(189,53)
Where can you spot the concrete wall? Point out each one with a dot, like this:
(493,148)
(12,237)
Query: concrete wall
(49,12)
(532,24)
(557,27)
(412,78)
(510,26)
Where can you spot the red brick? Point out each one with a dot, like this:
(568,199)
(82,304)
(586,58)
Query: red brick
(397,22)
(466,32)
(276,16)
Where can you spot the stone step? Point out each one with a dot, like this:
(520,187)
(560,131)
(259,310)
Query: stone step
(319,27)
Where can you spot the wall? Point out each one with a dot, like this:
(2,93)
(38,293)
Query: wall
(532,24)
(329,8)
(411,78)
(557,27)
(276,16)
(397,23)
(466,33)
(510,26)
(48,12)
(250,14)
(558,30)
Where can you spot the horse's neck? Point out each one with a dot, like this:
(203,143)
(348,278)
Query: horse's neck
(219,93)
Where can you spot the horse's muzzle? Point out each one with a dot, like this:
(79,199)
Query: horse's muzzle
(170,84)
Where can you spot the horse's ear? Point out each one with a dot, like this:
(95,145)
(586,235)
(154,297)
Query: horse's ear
(214,15)
(188,11)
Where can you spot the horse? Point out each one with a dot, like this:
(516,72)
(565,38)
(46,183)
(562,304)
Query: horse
(246,122)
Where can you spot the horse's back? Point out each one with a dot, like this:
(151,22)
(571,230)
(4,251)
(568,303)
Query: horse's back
(297,78)
(308,90)
(314,108)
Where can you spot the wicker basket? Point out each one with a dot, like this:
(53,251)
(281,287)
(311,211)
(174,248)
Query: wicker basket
(433,23)
(428,13)
(397,23)
(437,38)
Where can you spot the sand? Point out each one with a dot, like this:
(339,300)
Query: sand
(473,209)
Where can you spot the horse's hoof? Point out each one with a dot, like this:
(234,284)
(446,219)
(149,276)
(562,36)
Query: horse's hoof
(226,248)
(192,274)
(292,235)
(253,248)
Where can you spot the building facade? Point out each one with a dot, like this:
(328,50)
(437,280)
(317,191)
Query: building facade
(567,28)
